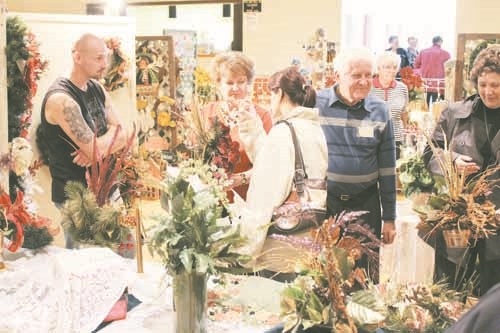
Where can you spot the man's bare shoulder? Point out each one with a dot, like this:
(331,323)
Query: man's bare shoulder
(59,100)
(56,105)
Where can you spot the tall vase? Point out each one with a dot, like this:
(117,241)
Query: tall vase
(190,302)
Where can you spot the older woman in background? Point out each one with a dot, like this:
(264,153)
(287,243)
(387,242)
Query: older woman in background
(233,73)
(472,130)
(394,93)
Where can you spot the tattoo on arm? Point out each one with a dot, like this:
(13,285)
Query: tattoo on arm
(77,124)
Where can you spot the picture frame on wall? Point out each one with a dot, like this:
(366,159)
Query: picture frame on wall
(156,79)
(155,66)
(468,47)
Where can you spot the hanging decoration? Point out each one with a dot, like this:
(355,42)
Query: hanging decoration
(116,76)
(24,68)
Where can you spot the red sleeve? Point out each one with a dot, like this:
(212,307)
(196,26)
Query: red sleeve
(265,116)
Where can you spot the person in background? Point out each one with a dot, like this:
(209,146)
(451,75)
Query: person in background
(361,148)
(394,47)
(292,100)
(412,50)
(471,129)
(394,93)
(233,73)
(429,64)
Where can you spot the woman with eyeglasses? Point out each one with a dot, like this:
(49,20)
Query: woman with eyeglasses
(394,93)
(233,73)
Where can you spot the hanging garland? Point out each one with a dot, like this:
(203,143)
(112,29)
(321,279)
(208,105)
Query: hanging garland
(24,69)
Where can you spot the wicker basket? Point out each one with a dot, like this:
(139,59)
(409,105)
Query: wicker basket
(456,238)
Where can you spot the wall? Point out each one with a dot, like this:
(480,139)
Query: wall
(275,36)
(56,48)
(205,19)
(47,6)
(478,16)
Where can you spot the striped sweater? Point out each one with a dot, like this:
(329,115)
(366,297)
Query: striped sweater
(361,148)
(396,99)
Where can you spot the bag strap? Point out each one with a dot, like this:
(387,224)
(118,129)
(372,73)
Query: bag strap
(300,169)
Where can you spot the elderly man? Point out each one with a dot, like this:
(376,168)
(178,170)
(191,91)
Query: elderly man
(73,110)
(361,149)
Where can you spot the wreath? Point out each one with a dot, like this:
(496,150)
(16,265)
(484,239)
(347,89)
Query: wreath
(116,76)
(24,69)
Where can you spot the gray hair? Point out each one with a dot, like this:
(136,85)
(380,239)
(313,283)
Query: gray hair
(388,58)
(346,57)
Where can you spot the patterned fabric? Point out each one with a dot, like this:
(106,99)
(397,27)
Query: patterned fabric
(361,148)
(396,99)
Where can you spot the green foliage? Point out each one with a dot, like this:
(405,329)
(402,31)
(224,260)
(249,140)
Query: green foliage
(35,238)
(414,176)
(17,90)
(189,239)
(88,223)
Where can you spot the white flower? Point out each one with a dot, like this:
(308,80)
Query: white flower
(21,155)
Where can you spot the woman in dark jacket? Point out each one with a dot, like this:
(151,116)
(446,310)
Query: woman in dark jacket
(472,128)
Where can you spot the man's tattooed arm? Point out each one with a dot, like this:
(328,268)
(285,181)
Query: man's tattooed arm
(77,125)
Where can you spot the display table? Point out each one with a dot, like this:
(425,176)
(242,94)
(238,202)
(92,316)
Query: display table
(59,290)
(249,306)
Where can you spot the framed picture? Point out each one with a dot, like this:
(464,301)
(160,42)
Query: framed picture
(155,65)
(156,77)
(468,47)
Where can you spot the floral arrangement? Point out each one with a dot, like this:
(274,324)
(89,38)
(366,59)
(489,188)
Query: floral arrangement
(222,151)
(189,238)
(332,294)
(212,135)
(19,219)
(318,296)
(413,82)
(412,308)
(204,87)
(463,203)
(116,76)
(88,213)
(414,176)
(16,221)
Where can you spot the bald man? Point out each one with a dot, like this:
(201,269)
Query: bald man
(73,110)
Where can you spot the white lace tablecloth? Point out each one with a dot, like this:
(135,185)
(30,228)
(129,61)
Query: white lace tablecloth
(155,313)
(59,290)
(408,259)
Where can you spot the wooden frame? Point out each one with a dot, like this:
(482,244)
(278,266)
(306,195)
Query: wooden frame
(168,53)
(467,44)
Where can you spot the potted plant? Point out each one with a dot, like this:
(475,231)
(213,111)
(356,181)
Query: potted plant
(191,242)
(89,214)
